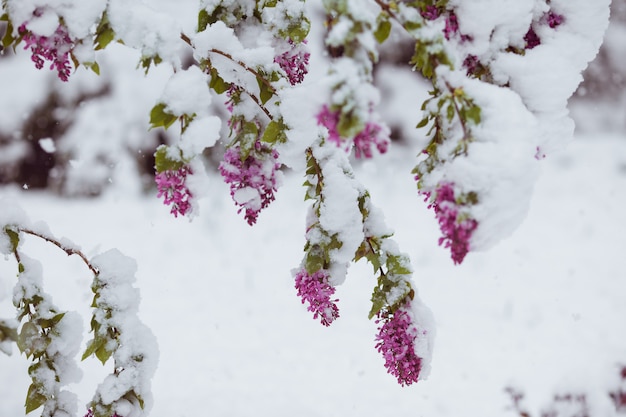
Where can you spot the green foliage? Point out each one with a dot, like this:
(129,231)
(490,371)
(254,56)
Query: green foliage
(34,398)
(349,124)
(8,331)
(160,117)
(164,162)
(275,132)
(104,33)
(147,61)
(266,91)
(383,29)
(205,19)
(217,83)
(14,238)
(8,39)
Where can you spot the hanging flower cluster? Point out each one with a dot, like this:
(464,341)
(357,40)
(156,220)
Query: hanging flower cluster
(171,185)
(317,292)
(372,135)
(55,48)
(294,62)
(396,342)
(456,226)
(552,19)
(253,179)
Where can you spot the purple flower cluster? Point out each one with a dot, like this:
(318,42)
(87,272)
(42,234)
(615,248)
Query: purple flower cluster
(431,13)
(294,62)
(171,186)
(452,28)
(372,134)
(253,181)
(456,228)
(553,19)
(55,48)
(396,342)
(315,290)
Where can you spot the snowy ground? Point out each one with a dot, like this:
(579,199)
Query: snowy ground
(544,311)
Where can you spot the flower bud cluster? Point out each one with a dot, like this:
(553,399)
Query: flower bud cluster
(457,227)
(372,135)
(295,62)
(171,185)
(252,179)
(396,342)
(315,290)
(55,48)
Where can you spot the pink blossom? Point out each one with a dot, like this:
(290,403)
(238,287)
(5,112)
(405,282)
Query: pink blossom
(531,39)
(316,290)
(253,181)
(171,186)
(457,228)
(372,134)
(471,62)
(294,62)
(55,48)
(330,119)
(431,13)
(555,19)
(396,341)
(452,26)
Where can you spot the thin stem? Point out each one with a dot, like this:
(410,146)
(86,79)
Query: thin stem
(254,72)
(68,251)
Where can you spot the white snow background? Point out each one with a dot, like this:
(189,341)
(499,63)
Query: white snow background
(543,311)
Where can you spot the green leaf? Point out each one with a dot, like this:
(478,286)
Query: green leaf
(298,33)
(397,265)
(50,323)
(8,39)
(450,112)
(93,345)
(349,125)
(7,331)
(164,163)
(103,353)
(423,122)
(34,399)
(205,19)
(379,300)
(274,132)
(266,92)
(161,118)
(27,338)
(315,259)
(14,237)
(383,30)
(217,83)
(473,114)
(104,33)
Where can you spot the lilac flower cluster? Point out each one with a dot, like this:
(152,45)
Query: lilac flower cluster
(55,48)
(315,290)
(456,228)
(171,186)
(372,134)
(396,342)
(552,19)
(294,62)
(452,28)
(431,12)
(253,181)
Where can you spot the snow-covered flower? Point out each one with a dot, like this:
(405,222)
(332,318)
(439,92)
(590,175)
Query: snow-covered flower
(457,227)
(294,62)
(317,292)
(252,180)
(171,185)
(396,342)
(55,48)
(372,134)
